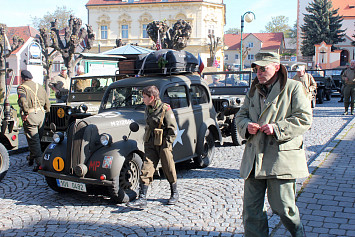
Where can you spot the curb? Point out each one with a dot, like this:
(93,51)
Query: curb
(313,166)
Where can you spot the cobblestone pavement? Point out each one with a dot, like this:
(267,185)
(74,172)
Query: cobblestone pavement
(210,199)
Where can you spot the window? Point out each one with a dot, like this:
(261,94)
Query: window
(125,31)
(56,66)
(199,95)
(103,32)
(225,57)
(250,56)
(145,34)
(251,45)
(176,96)
(236,56)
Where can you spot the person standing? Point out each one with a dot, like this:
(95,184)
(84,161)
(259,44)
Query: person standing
(158,115)
(349,89)
(273,119)
(343,83)
(81,84)
(34,103)
(60,84)
(307,80)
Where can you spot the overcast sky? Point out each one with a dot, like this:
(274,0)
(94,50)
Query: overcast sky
(19,12)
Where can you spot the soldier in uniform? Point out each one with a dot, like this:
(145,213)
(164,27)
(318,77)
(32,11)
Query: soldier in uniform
(81,84)
(156,113)
(34,103)
(349,89)
(307,80)
(60,84)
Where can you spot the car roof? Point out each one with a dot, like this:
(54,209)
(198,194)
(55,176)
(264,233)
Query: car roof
(158,80)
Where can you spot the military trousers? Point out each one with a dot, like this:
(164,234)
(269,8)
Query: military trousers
(152,156)
(33,128)
(349,96)
(281,197)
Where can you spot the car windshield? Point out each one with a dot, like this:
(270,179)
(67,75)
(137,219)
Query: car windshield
(122,97)
(227,80)
(90,85)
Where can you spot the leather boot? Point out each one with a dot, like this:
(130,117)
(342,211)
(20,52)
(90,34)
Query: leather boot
(174,194)
(141,202)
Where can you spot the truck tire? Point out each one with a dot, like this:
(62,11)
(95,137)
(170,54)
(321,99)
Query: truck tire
(52,183)
(4,161)
(126,185)
(320,95)
(205,158)
(328,96)
(236,138)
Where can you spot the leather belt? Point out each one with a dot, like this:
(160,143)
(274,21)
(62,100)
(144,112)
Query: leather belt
(32,110)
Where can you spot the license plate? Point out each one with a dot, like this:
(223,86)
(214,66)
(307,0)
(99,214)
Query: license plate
(71,185)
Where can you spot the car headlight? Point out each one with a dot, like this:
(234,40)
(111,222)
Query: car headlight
(69,111)
(238,100)
(105,139)
(84,107)
(58,137)
(225,104)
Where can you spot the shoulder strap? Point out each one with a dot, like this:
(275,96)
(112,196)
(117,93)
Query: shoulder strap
(36,97)
(162,116)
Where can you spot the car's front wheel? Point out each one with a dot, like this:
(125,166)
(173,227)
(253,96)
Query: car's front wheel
(236,138)
(126,185)
(205,158)
(4,161)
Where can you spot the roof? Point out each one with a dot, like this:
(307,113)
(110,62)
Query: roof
(127,49)
(270,41)
(24,32)
(346,8)
(119,2)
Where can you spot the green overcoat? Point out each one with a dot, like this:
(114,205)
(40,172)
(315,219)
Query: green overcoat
(280,155)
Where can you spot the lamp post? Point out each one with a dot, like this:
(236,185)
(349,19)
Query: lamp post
(249,17)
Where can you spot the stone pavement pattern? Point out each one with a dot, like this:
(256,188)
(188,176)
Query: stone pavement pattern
(210,204)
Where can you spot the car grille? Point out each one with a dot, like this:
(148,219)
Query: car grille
(217,103)
(52,117)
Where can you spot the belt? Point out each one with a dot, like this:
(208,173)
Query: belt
(33,110)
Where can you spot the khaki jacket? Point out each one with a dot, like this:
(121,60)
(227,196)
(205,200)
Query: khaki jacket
(153,115)
(308,82)
(27,99)
(350,74)
(60,83)
(280,155)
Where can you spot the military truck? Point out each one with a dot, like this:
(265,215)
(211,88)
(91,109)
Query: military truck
(9,125)
(325,85)
(106,150)
(81,102)
(228,96)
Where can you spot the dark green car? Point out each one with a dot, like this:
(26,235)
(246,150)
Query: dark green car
(107,149)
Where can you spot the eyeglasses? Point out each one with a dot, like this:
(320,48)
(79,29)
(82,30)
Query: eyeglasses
(261,68)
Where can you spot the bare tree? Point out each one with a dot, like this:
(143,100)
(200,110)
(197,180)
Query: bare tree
(62,14)
(5,52)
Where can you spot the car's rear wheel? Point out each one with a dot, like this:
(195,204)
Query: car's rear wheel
(328,96)
(126,185)
(4,161)
(320,95)
(205,158)
(236,138)
(52,183)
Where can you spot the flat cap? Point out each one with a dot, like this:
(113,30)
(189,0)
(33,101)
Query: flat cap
(264,59)
(26,74)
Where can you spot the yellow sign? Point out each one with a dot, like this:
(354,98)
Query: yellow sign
(60,113)
(58,164)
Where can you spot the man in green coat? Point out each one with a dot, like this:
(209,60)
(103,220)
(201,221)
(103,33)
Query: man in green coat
(34,103)
(349,89)
(275,115)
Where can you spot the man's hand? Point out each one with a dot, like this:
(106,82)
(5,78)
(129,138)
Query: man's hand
(267,129)
(253,128)
(24,117)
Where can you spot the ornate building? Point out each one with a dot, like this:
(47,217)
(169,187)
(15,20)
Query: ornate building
(127,20)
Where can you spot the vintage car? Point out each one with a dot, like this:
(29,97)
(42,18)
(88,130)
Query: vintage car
(228,93)
(106,150)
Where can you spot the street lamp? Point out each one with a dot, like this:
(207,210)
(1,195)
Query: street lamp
(249,17)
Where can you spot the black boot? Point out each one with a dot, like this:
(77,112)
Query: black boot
(174,194)
(141,202)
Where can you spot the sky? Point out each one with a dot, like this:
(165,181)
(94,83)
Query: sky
(20,12)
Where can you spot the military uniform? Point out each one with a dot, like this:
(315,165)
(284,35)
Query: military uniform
(32,98)
(164,152)
(349,89)
(308,82)
(61,84)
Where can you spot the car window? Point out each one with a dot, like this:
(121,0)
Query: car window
(199,95)
(122,97)
(176,97)
(85,85)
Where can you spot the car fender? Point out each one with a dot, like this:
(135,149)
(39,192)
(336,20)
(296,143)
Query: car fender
(214,129)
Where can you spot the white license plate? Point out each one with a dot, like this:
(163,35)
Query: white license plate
(71,185)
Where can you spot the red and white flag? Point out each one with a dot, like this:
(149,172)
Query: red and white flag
(158,44)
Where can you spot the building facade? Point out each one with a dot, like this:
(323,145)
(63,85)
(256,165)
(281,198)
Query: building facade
(127,20)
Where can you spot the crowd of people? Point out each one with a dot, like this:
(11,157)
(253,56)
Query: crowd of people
(273,119)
